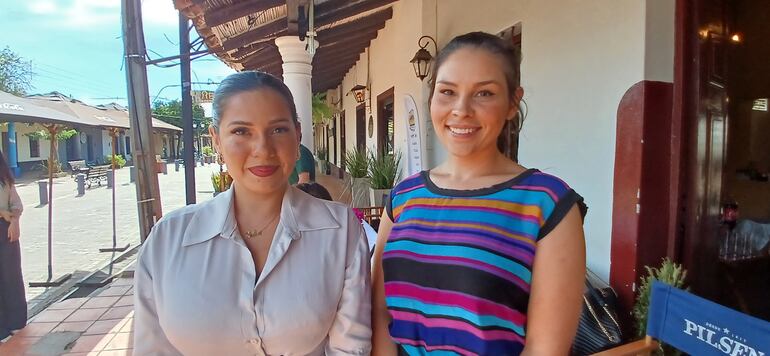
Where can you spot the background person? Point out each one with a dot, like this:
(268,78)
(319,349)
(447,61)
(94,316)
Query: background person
(13,303)
(304,169)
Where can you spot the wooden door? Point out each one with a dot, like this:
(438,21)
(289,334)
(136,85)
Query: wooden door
(707,148)
(361,127)
(385,123)
(343,148)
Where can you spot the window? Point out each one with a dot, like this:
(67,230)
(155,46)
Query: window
(34,147)
(128,145)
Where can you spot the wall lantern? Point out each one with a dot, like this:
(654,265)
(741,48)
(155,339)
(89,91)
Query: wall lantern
(359,93)
(423,60)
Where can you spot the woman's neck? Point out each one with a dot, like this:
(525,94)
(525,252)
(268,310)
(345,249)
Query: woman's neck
(255,206)
(469,168)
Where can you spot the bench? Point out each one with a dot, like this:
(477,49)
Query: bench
(78,167)
(97,175)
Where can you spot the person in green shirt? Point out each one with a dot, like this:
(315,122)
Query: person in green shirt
(304,170)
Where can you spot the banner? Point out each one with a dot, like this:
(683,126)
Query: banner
(701,327)
(413,136)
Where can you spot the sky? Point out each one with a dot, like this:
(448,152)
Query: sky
(76,48)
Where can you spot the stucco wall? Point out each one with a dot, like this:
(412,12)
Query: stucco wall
(389,59)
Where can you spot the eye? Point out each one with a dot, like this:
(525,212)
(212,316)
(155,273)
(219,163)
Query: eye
(446,91)
(239,131)
(280,130)
(485,93)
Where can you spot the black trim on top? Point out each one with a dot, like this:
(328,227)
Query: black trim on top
(425,175)
(561,209)
(389,205)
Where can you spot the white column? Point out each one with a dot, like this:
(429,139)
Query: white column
(297,73)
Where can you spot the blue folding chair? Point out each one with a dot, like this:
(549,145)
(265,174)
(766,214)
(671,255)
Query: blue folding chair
(697,326)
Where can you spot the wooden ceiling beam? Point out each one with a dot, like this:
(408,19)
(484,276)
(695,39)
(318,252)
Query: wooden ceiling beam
(275,28)
(241,54)
(352,38)
(359,42)
(331,61)
(331,11)
(373,22)
(244,8)
(263,60)
(330,71)
(323,86)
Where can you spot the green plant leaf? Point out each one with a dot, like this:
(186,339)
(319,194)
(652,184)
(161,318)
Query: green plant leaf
(356,163)
(383,170)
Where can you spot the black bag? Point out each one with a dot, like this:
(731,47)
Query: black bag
(598,329)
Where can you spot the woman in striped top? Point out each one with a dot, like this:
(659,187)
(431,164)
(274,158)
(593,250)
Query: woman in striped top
(478,256)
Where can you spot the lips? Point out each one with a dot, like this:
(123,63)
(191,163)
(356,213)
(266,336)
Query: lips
(263,171)
(462,131)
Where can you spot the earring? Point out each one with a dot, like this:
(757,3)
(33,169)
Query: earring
(220,159)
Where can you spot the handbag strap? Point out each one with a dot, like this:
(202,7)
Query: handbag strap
(595,296)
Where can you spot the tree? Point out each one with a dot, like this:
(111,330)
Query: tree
(15,73)
(322,112)
(171,112)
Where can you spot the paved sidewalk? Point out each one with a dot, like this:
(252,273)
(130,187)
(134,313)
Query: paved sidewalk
(98,325)
(82,225)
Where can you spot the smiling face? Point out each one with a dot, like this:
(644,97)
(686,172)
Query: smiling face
(259,140)
(471,102)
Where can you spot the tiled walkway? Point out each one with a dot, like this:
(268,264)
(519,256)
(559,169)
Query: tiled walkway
(99,325)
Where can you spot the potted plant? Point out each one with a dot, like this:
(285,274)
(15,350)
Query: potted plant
(670,273)
(357,165)
(321,154)
(383,171)
(221,182)
(208,154)
(120,162)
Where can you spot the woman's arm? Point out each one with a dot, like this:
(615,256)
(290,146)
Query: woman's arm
(13,215)
(351,331)
(381,341)
(149,338)
(558,278)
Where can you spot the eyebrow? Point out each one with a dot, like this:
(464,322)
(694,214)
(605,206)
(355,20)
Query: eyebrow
(249,123)
(477,84)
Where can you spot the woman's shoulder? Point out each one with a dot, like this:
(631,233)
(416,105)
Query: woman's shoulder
(183,214)
(409,183)
(549,183)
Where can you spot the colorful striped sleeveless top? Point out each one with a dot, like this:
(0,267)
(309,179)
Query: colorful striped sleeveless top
(458,263)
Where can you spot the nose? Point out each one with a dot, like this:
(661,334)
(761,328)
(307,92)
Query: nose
(462,106)
(262,146)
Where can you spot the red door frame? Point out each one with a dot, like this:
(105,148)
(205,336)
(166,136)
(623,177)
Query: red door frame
(650,166)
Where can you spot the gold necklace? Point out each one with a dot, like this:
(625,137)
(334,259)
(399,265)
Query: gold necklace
(256,233)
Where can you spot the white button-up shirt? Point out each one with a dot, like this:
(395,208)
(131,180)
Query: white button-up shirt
(197,291)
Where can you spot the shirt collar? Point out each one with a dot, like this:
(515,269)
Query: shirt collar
(300,212)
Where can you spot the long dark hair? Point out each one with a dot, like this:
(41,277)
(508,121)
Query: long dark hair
(6,177)
(511,59)
(247,81)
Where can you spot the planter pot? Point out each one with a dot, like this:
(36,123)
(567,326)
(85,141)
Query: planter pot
(360,192)
(322,166)
(378,196)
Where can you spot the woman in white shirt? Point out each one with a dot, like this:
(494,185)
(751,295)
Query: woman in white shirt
(263,268)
